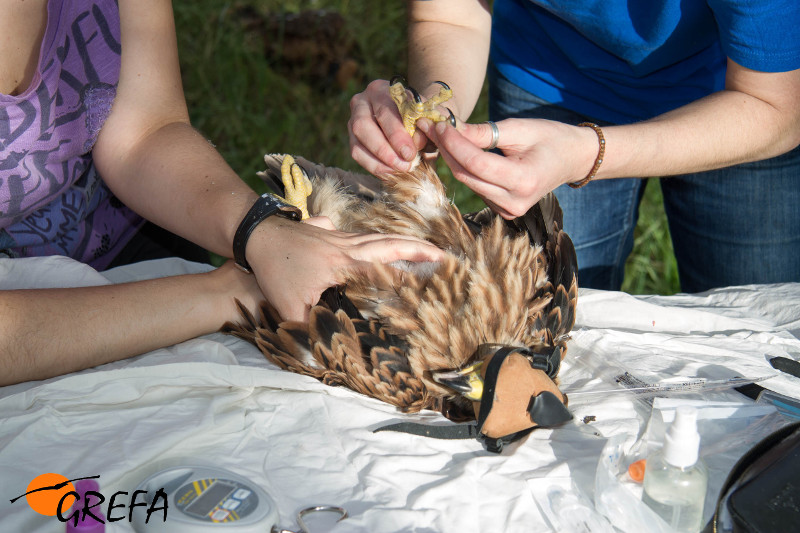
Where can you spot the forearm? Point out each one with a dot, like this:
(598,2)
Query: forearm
(756,117)
(449,41)
(49,332)
(674,144)
(147,152)
(743,123)
(176,179)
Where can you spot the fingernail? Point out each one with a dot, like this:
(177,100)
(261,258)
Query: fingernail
(441,127)
(407,153)
(402,165)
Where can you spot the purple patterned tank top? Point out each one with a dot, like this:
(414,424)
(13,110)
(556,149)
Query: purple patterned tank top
(52,201)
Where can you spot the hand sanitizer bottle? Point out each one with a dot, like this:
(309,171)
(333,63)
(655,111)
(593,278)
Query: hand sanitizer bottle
(675,479)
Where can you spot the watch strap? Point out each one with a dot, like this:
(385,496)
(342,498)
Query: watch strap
(267,205)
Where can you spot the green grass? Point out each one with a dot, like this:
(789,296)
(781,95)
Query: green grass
(651,267)
(249,101)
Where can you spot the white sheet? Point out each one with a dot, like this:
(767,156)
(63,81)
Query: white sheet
(216,400)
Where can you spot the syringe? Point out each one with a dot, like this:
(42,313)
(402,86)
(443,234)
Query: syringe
(640,389)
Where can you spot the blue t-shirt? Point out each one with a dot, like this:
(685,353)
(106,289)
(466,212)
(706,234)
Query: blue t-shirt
(627,60)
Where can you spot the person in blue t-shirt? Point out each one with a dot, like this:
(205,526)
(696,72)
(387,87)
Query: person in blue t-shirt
(705,94)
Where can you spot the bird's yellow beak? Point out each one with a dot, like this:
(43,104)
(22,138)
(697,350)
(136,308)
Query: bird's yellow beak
(466,381)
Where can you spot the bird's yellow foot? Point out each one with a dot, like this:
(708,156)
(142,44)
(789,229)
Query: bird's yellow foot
(296,185)
(413,109)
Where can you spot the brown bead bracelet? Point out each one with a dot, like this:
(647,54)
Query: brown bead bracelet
(597,162)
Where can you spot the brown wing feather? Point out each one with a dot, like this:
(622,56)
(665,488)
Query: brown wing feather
(338,349)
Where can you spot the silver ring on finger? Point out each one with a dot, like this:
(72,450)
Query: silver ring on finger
(495,135)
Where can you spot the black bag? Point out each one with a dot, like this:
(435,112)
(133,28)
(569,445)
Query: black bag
(762,492)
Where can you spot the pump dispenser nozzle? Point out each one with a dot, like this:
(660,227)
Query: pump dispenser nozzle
(682,441)
(675,480)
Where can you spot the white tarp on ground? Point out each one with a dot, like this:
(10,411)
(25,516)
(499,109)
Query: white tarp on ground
(216,400)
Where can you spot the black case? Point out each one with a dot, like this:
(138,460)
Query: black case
(762,492)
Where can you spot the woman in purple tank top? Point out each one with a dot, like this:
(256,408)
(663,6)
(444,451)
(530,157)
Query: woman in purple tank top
(95,140)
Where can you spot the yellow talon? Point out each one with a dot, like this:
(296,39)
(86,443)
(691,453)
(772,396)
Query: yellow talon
(296,185)
(412,111)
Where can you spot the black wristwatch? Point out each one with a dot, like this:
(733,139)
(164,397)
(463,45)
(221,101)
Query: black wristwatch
(266,206)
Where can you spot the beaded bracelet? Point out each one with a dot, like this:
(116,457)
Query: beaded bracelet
(597,162)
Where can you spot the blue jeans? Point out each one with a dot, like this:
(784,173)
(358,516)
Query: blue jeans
(732,226)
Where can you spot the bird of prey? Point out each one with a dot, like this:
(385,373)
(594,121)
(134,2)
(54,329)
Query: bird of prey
(477,336)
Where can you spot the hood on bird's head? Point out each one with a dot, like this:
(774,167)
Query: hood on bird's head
(512,389)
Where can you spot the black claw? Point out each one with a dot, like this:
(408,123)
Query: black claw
(452,119)
(415,94)
(397,78)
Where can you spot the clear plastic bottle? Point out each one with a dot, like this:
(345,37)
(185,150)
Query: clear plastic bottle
(675,479)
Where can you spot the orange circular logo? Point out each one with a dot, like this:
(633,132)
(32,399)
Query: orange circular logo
(45,501)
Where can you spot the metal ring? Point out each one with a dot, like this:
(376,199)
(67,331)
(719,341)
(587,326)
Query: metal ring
(495,135)
(341,511)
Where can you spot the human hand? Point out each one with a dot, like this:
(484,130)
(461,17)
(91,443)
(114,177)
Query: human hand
(295,262)
(538,156)
(378,140)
